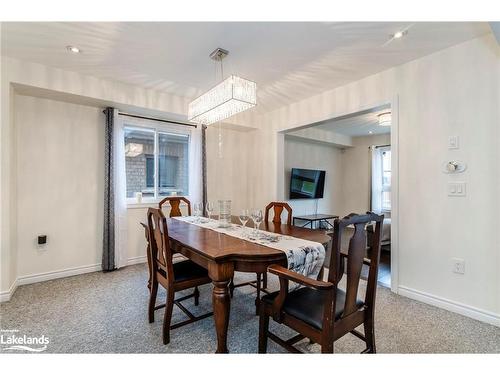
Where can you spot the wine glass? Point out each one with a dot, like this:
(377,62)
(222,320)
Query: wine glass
(198,210)
(257,219)
(244,217)
(209,206)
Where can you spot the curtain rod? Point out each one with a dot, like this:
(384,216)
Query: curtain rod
(379,146)
(157,119)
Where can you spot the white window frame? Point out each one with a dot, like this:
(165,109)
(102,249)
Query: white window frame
(156,127)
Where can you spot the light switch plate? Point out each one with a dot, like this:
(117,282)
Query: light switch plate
(456,189)
(453,142)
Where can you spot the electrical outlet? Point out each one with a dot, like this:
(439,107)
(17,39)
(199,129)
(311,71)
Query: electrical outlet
(41,242)
(458,265)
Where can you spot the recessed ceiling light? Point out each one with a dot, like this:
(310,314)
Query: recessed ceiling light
(399,34)
(370,132)
(73,49)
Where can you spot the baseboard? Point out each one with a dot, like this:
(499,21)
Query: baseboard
(456,307)
(137,260)
(52,275)
(5,296)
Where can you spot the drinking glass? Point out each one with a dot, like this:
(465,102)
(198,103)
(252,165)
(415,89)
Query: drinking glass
(244,217)
(257,219)
(225,214)
(209,206)
(198,210)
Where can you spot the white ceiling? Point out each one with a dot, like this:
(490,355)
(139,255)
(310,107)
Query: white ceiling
(358,125)
(289,61)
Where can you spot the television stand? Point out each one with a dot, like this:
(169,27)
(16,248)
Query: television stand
(319,218)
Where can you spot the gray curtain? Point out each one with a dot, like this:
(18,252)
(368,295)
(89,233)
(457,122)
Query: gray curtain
(108,243)
(204,195)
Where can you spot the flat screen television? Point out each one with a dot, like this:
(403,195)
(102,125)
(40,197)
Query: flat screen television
(307,184)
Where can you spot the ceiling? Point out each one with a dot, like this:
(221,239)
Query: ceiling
(289,61)
(358,125)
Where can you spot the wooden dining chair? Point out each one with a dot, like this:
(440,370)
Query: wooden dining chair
(321,310)
(172,276)
(261,282)
(148,255)
(278,208)
(175,203)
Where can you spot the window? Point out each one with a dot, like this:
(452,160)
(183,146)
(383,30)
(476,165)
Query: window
(168,170)
(386,178)
(156,161)
(150,171)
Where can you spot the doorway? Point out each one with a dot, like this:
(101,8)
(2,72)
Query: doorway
(365,171)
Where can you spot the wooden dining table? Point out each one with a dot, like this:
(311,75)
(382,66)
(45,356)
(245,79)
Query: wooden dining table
(222,255)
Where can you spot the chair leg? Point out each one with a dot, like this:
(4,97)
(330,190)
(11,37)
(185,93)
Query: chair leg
(370,336)
(196,296)
(257,299)
(231,287)
(152,302)
(263,329)
(327,347)
(264,280)
(169,305)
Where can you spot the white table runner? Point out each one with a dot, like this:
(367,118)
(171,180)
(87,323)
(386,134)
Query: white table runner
(304,257)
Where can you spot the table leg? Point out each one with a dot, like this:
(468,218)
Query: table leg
(221,275)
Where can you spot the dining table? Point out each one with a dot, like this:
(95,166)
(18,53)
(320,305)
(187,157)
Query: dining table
(222,255)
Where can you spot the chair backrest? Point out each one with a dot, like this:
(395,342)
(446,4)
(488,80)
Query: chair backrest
(175,202)
(161,254)
(355,258)
(278,209)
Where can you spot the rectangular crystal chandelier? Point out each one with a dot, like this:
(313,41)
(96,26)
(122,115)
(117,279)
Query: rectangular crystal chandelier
(231,96)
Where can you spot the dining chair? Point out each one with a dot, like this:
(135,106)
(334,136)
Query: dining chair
(175,203)
(261,282)
(321,310)
(277,208)
(148,255)
(174,277)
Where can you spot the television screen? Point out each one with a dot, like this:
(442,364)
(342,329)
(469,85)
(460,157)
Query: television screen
(307,184)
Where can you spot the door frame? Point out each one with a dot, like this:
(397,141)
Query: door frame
(393,102)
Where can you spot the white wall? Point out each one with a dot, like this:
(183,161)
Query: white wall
(451,92)
(60,169)
(8,260)
(310,155)
(227,170)
(355,177)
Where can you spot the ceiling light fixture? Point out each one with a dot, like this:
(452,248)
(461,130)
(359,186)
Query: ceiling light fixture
(385,119)
(73,49)
(233,95)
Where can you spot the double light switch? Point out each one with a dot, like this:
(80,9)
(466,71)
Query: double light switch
(456,189)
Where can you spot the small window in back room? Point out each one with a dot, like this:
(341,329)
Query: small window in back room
(386,179)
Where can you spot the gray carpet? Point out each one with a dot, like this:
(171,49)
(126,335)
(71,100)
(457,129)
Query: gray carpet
(106,313)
